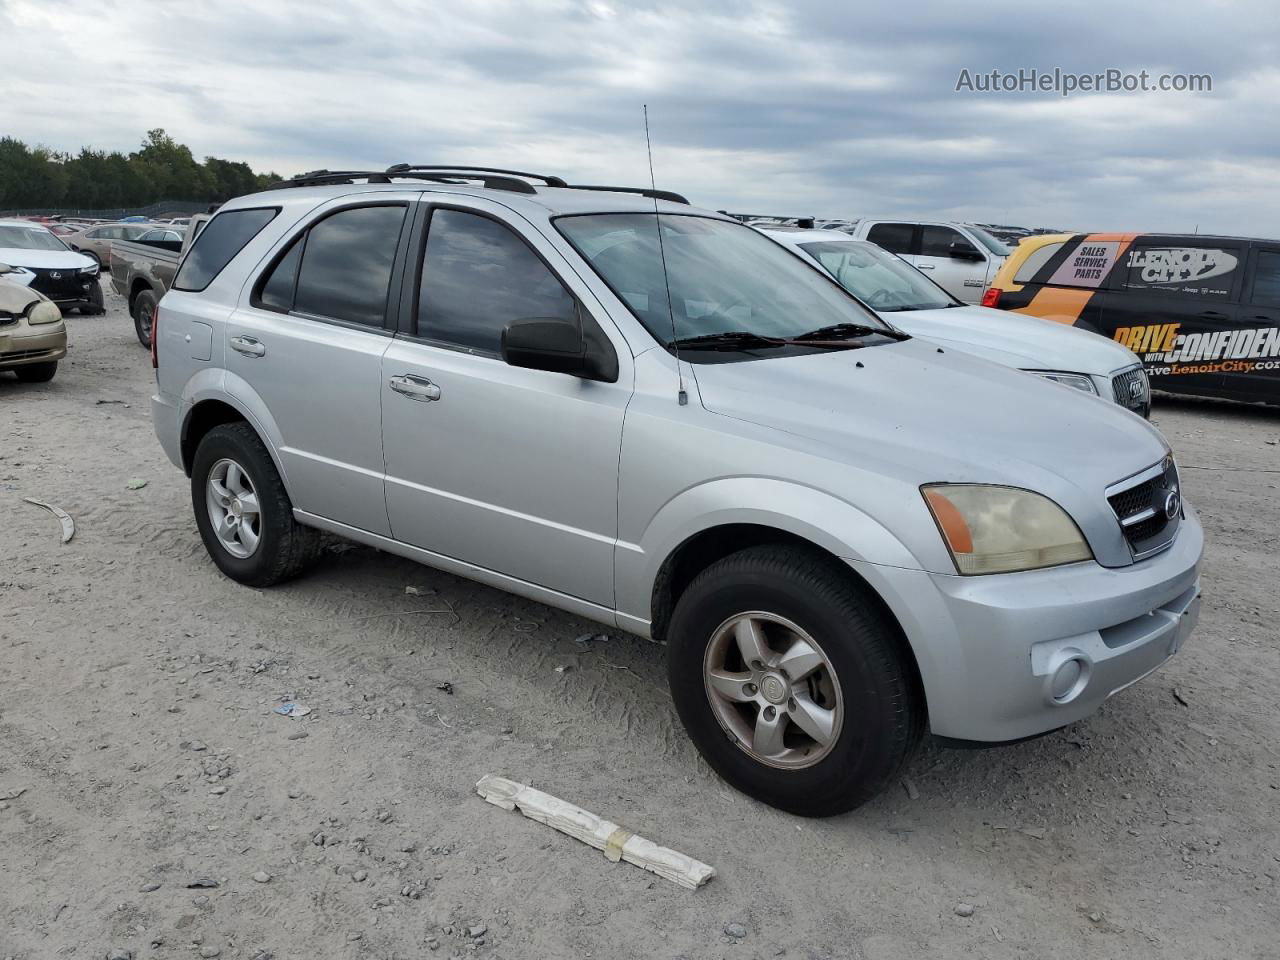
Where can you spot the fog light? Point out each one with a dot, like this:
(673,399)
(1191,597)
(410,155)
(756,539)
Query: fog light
(1069,680)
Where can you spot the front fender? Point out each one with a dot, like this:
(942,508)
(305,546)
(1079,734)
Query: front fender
(824,520)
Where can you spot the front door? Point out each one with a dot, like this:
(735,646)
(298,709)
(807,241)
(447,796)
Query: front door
(508,469)
(964,277)
(305,349)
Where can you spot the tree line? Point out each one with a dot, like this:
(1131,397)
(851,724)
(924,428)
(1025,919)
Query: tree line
(161,169)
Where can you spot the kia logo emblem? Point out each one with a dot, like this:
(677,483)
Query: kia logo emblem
(55,275)
(1172,504)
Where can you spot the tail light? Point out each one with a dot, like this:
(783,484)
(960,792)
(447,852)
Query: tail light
(991,298)
(155,335)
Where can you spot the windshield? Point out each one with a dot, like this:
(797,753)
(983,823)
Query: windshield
(29,238)
(723,277)
(990,242)
(879,279)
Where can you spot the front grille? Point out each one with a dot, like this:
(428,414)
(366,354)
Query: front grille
(1143,505)
(66,285)
(7,318)
(1131,389)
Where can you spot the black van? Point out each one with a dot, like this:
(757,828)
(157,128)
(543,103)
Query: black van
(1202,312)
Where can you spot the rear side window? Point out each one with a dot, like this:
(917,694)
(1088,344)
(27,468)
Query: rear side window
(1266,279)
(1186,270)
(225,236)
(343,266)
(936,241)
(477,277)
(1035,260)
(894,237)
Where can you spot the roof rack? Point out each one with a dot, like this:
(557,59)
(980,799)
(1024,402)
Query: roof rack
(642,191)
(494,178)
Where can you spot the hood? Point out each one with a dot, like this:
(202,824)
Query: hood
(1016,340)
(915,413)
(44,259)
(15,297)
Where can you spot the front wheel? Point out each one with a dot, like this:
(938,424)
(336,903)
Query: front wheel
(37,372)
(244,512)
(791,682)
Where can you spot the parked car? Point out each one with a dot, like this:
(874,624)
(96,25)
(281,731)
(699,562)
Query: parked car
(655,417)
(1203,312)
(143,268)
(911,301)
(33,337)
(49,266)
(96,241)
(960,257)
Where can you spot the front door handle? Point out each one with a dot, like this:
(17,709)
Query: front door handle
(248,346)
(415,388)
(924,266)
(1213,315)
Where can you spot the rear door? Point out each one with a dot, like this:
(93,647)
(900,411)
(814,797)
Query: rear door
(901,239)
(508,469)
(961,274)
(1253,368)
(308,340)
(1174,302)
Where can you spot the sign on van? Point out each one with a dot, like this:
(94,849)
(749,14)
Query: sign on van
(1088,266)
(1179,264)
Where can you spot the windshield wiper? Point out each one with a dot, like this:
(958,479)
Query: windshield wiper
(745,340)
(838,331)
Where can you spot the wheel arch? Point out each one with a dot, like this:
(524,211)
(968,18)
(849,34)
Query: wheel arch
(209,411)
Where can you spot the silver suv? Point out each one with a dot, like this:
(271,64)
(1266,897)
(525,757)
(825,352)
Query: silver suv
(654,417)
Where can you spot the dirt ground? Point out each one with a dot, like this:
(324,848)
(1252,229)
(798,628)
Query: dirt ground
(139,753)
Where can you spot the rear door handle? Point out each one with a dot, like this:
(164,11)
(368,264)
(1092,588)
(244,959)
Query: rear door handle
(1213,315)
(248,346)
(415,388)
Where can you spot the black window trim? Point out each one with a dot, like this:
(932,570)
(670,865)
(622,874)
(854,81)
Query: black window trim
(413,291)
(301,233)
(275,212)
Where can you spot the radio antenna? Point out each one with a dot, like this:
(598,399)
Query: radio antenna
(682,395)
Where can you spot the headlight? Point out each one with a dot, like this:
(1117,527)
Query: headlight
(43,312)
(89,271)
(1077,380)
(992,529)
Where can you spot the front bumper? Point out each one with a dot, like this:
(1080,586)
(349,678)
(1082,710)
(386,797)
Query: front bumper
(1014,655)
(23,344)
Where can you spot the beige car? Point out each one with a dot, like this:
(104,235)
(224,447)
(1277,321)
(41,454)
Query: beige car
(33,337)
(95,241)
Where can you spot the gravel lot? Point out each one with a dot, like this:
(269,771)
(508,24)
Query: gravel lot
(139,752)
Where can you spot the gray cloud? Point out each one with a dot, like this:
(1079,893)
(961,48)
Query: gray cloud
(801,107)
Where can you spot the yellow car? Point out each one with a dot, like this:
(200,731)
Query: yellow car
(33,337)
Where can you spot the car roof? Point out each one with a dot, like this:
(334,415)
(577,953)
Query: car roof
(545,201)
(24,223)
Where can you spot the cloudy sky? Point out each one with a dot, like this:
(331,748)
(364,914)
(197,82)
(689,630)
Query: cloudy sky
(804,107)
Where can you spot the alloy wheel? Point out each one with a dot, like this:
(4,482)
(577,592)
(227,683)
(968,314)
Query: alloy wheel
(233,509)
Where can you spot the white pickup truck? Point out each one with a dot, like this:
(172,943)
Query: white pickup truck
(959,257)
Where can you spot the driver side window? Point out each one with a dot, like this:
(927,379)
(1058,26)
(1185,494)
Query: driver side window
(477,277)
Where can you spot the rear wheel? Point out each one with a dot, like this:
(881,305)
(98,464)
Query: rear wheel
(791,682)
(144,316)
(244,512)
(36,372)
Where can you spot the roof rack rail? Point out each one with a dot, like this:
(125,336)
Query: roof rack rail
(441,175)
(403,168)
(670,195)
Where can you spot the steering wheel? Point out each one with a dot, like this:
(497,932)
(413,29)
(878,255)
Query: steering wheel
(881,298)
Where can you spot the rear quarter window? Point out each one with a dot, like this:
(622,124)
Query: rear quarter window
(217,245)
(1035,260)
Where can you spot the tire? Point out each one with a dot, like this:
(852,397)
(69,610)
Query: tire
(866,683)
(97,305)
(283,547)
(37,372)
(144,312)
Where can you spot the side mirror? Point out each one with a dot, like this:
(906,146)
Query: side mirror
(556,345)
(963,250)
